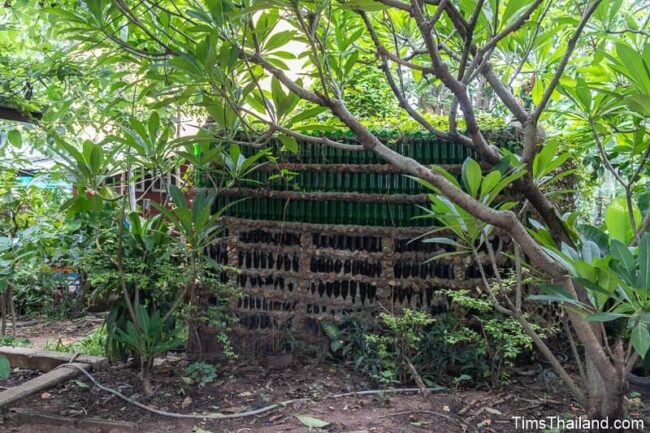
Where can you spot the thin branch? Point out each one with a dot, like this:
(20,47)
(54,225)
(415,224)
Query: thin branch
(403,103)
(565,60)
(513,27)
(126,11)
(304,137)
(529,49)
(468,39)
(574,350)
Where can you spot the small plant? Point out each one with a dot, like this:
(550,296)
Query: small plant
(10,340)
(282,339)
(500,340)
(200,373)
(92,344)
(5,368)
(470,345)
(151,338)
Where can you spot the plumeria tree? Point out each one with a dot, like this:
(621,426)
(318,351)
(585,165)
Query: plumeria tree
(557,70)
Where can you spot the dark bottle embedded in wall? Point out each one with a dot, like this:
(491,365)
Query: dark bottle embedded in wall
(397,269)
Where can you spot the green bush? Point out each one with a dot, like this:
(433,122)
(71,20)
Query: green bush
(38,294)
(92,344)
(200,373)
(471,344)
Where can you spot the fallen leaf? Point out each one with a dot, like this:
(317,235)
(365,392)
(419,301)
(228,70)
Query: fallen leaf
(485,423)
(46,396)
(200,430)
(186,402)
(312,422)
(81,385)
(446,408)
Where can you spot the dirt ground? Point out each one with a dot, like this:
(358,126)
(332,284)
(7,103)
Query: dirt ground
(241,386)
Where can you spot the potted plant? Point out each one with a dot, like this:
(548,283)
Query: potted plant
(279,354)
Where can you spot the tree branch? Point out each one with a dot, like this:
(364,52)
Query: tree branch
(565,60)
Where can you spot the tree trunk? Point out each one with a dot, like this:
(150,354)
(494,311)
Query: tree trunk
(145,376)
(606,396)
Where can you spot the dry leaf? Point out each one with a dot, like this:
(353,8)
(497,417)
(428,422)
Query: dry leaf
(493,411)
(186,402)
(446,408)
(485,423)
(46,396)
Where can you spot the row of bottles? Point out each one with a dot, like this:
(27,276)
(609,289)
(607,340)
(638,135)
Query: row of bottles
(251,302)
(403,245)
(320,309)
(323,264)
(265,282)
(432,269)
(327,212)
(366,292)
(219,253)
(253,259)
(254,321)
(362,182)
(347,242)
(258,236)
(424,148)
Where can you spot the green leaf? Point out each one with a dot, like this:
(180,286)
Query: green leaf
(617,219)
(363,5)
(15,138)
(471,176)
(312,422)
(5,367)
(81,385)
(306,115)
(289,143)
(622,253)
(595,235)
(178,197)
(604,316)
(279,98)
(641,339)
(278,40)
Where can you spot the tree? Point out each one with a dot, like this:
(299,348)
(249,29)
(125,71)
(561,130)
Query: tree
(224,56)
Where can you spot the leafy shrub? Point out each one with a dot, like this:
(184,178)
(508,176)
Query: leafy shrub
(200,373)
(472,344)
(38,294)
(10,340)
(92,344)
(5,368)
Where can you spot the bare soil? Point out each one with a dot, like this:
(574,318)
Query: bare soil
(244,386)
